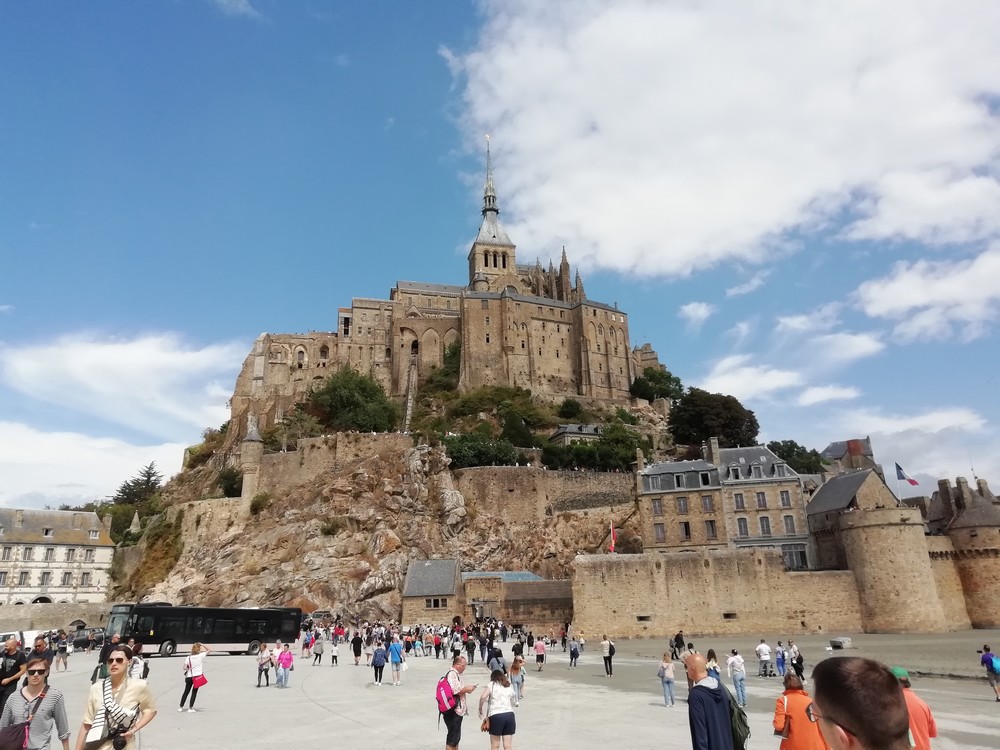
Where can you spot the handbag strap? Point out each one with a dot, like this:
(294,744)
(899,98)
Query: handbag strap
(38,702)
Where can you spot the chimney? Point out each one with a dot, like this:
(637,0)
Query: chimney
(714,454)
(962,494)
(984,489)
(640,460)
(18,519)
(704,450)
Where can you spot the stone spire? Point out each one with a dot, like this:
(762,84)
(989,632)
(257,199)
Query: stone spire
(491,232)
(489,190)
(580,295)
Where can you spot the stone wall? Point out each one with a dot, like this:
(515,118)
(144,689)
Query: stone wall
(948,582)
(539,606)
(709,593)
(887,552)
(280,472)
(53,616)
(522,492)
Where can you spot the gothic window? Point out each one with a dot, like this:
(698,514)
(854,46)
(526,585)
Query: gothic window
(324,352)
(600,330)
(300,356)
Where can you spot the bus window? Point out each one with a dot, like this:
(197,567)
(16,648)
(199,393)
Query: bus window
(257,627)
(224,628)
(144,626)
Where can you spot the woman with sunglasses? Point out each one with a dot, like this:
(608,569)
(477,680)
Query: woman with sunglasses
(791,719)
(50,710)
(117,705)
(194,671)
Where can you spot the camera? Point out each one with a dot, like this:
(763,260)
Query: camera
(118,739)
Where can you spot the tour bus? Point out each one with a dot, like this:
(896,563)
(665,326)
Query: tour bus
(160,626)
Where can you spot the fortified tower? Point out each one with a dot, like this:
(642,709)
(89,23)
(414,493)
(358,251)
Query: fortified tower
(974,531)
(887,552)
(251,455)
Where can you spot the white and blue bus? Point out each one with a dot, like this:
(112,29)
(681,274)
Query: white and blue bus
(162,627)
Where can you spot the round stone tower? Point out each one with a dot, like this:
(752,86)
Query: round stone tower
(886,550)
(251,454)
(975,535)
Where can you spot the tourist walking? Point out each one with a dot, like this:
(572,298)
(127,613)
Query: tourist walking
(708,708)
(334,653)
(115,703)
(284,663)
(677,645)
(517,675)
(497,710)
(791,720)
(689,651)
(859,703)
(737,671)
(194,674)
(666,675)
(453,716)
(798,663)
(991,662)
(317,650)
(540,653)
(264,663)
(378,661)
(41,706)
(574,652)
(779,659)
(62,651)
(608,652)
(13,665)
(396,659)
(923,728)
(356,644)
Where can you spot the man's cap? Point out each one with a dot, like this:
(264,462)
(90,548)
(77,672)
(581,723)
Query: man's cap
(900,673)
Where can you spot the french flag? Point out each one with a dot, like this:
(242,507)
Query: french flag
(900,474)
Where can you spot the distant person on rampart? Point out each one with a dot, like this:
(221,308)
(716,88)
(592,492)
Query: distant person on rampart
(992,674)
(922,724)
(708,708)
(859,705)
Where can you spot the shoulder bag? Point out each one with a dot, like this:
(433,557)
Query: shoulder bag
(15,737)
(788,722)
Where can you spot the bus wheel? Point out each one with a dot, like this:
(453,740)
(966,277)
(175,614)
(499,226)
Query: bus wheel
(168,648)
(254,648)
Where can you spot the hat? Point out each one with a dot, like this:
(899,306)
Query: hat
(900,673)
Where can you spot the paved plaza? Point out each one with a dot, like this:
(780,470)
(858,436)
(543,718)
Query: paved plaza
(338,707)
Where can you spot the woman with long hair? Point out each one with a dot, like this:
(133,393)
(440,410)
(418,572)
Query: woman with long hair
(194,672)
(712,664)
(117,706)
(517,678)
(791,720)
(496,705)
(666,675)
(378,660)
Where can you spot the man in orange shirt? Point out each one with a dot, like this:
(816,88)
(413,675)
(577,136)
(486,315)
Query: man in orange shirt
(922,726)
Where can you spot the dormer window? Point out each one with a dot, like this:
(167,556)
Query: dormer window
(734,472)
(654,483)
(94,533)
(678,481)
(47,532)
(780,470)
(756,472)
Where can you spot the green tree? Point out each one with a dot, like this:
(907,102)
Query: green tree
(348,400)
(230,481)
(570,408)
(445,378)
(515,431)
(699,415)
(657,383)
(140,487)
(800,458)
(626,417)
(614,450)
(293,426)
(479,449)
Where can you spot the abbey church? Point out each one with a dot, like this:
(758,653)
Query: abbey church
(518,324)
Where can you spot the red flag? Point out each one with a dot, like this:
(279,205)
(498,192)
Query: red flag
(614,537)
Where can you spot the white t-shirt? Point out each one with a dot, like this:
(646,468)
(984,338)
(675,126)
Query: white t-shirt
(763,651)
(194,664)
(499,699)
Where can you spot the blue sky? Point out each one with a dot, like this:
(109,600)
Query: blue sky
(799,209)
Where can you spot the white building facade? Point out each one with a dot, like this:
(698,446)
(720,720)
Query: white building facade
(53,556)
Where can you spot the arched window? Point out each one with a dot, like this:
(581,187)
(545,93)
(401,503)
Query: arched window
(486,259)
(300,356)
(324,352)
(495,258)
(600,330)
(503,259)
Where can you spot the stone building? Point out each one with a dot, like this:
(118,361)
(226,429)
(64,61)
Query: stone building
(518,324)
(733,497)
(849,455)
(567,434)
(433,593)
(53,556)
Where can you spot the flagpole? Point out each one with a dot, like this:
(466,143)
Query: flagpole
(899,497)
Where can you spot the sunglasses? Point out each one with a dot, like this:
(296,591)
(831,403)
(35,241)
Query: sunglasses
(117,660)
(37,671)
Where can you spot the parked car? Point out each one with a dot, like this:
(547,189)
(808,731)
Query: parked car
(81,638)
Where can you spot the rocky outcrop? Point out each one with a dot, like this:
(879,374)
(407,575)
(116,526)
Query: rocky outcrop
(344,539)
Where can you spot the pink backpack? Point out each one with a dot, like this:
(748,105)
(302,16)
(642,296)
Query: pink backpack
(444,695)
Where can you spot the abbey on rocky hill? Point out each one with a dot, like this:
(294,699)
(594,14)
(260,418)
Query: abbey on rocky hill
(518,325)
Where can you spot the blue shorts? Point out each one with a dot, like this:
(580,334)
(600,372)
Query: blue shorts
(502,725)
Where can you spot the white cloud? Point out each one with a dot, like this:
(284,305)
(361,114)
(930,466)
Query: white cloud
(6,308)
(695,313)
(49,468)
(735,376)
(933,299)
(822,393)
(741,330)
(821,319)
(735,124)
(241,8)
(841,348)
(754,283)
(155,384)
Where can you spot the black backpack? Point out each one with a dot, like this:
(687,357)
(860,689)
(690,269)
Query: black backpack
(611,650)
(145,669)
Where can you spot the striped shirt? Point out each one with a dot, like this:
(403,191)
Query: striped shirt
(52,710)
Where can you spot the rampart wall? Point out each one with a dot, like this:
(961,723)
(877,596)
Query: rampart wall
(709,593)
(525,492)
(948,582)
(54,616)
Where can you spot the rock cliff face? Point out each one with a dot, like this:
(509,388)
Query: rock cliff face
(344,539)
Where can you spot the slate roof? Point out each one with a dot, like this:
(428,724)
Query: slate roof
(491,231)
(839,448)
(419,286)
(34,523)
(589,430)
(979,512)
(678,467)
(837,493)
(744,458)
(507,576)
(431,578)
